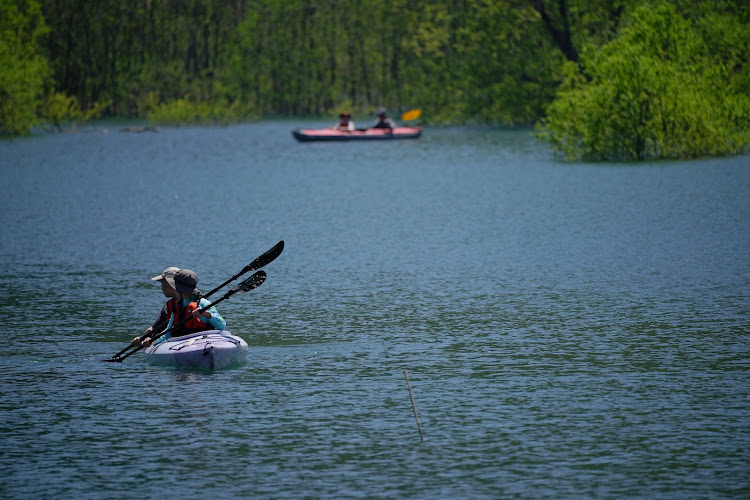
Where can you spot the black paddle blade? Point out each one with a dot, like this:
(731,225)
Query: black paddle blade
(266,258)
(251,283)
(254,281)
(261,261)
(117,358)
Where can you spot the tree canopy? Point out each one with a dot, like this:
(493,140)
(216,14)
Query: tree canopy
(602,78)
(662,89)
(24,68)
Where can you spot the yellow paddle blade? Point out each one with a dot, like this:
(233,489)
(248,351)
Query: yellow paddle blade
(411,115)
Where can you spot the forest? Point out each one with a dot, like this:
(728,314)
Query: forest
(598,79)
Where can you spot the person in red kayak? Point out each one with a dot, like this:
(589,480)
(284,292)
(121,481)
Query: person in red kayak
(383,121)
(345,122)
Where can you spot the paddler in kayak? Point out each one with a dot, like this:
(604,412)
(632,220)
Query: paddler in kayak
(167,288)
(186,307)
(186,282)
(383,121)
(345,122)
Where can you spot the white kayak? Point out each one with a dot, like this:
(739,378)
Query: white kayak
(208,350)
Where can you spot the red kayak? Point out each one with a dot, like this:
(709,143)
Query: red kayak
(329,134)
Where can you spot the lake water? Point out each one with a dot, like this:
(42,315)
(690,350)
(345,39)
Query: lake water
(569,330)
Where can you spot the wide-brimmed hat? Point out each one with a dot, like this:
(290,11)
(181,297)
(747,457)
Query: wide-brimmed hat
(185,281)
(345,113)
(167,275)
(381,111)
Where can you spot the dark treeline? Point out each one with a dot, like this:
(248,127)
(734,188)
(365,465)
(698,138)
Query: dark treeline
(118,52)
(492,61)
(460,61)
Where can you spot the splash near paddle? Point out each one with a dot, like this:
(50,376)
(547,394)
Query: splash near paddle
(411,115)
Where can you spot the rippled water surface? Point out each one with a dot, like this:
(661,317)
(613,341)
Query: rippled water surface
(569,330)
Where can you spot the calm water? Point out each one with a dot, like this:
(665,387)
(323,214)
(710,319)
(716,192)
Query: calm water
(569,330)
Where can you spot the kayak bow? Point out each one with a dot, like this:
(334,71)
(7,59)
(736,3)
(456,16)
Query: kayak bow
(207,350)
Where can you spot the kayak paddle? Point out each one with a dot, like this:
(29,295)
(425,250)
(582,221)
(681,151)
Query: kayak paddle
(251,283)
(261,261)
(411,115)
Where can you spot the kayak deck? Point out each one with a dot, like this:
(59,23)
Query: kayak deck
(329,134)
(208,350)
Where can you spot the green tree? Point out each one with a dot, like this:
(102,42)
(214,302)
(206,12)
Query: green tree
(656,91)
(298,57)
(24,68)
(118,53)
(460,61)
(508,66)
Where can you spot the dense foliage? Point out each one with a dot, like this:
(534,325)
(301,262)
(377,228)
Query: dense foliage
(663,89)
(23,68)
(460,61)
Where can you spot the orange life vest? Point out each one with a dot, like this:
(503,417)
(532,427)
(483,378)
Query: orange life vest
(180,312)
